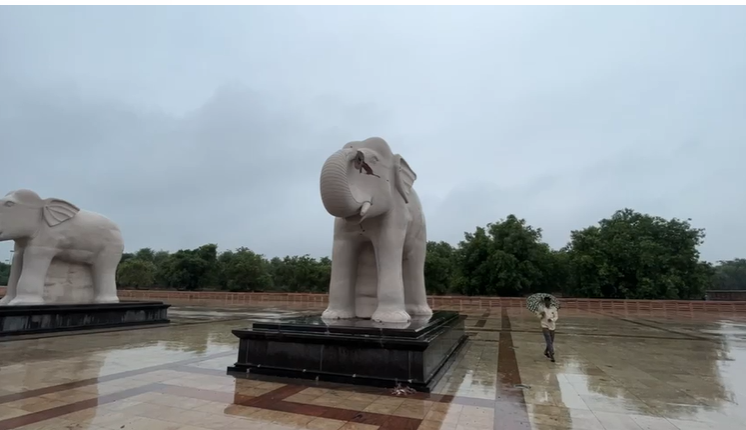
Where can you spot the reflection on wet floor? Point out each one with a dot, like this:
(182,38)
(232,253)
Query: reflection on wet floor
(650,371)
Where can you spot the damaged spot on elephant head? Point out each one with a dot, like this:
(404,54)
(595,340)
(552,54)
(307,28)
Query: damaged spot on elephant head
(360,164)
(359,160)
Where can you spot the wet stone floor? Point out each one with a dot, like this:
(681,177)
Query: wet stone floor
(614,371)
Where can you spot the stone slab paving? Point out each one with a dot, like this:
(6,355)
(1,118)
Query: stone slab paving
(614,371)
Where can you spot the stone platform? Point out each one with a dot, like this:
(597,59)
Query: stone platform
(358,352)
(22,320)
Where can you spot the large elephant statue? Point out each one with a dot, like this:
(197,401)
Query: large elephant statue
(53,229)
(380,237)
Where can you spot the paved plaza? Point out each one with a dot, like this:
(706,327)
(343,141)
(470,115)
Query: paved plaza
(614,371)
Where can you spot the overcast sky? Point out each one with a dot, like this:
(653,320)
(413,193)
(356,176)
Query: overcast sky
(195,125)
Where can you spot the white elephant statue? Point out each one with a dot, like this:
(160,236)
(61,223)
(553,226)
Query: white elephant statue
(53,229)
(380,237)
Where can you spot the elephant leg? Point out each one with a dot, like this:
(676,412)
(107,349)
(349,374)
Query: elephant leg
(15,274)
(366,284)
(30,287)
(104,270)
(389,250)
(415,294)
(342,285)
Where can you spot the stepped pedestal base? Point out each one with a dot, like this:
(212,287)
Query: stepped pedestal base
(20,320)
(355,351)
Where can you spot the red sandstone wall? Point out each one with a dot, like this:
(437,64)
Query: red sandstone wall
(451,302)
(445,302)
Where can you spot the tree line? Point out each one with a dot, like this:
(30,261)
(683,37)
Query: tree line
(629,255)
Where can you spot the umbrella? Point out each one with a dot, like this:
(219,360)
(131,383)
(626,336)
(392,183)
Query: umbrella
(534,301)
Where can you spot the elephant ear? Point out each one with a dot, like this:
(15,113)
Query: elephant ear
(404,177)
(57,211)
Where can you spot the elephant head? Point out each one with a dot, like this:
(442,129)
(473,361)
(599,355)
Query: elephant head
(23,213)
(365,178)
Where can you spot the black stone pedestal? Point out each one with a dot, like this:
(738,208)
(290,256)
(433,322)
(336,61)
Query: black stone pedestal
(357,351)
(20,320)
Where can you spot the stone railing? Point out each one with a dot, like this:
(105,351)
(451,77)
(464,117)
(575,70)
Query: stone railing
(727,295)
(449,302)
(443,302)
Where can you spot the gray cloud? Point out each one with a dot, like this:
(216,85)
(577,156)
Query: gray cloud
(195,125)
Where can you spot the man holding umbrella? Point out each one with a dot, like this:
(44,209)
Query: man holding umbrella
(548,314)
(545,306)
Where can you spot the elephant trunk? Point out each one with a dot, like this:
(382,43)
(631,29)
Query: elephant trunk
(339,198)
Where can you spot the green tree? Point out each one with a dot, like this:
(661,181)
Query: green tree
(440,267)
(730,275)
(136,273)
(209,253)
(159,259)
(190,269)
(4,273)
(629,255)
(145,254)
(301,273)
(224,259)
(556,273)
(637,256)
(506,258)
(246,270)
(325,274)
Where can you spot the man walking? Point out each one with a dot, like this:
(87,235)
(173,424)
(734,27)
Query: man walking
(548,314)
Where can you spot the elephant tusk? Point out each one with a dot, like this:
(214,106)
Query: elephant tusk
(364,210)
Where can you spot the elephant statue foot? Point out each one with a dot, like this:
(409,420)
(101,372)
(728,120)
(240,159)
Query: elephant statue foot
(4,301)
(391,316)
(338,314)
(419,311)
(26,301)
(106,299)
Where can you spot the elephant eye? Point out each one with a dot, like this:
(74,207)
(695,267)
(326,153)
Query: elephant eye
(9,203)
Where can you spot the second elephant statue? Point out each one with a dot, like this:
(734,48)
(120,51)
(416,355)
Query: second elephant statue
(380,236)
(52,232)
